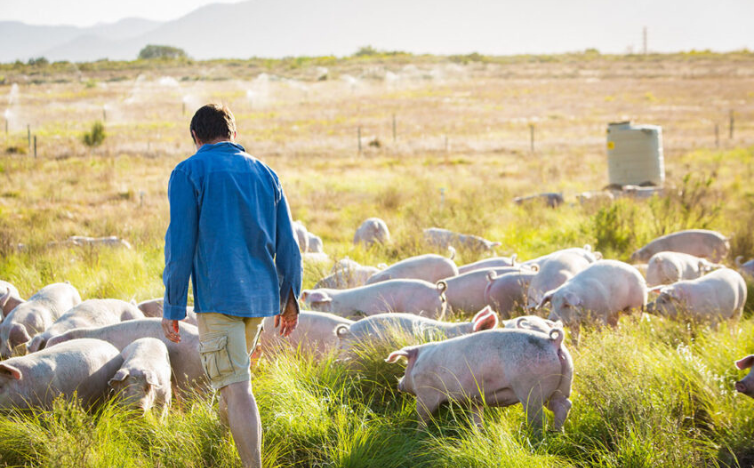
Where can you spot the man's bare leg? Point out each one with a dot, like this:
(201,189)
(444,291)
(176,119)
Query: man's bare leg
(242,415)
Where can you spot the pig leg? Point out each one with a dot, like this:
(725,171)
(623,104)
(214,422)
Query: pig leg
(560,406)
(425,406)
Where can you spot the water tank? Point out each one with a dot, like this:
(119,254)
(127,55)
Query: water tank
(634,154)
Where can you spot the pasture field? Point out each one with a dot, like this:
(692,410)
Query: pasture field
(649,393)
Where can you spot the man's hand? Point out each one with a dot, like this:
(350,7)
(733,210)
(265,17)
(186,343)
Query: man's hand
(171,330)
(288,319)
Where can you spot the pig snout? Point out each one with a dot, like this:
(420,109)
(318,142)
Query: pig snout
(740,387)
(402,389)
(746,388)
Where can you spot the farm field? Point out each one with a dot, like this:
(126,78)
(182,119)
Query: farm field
(651,392)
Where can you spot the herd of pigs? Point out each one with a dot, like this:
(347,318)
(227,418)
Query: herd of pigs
(512,350)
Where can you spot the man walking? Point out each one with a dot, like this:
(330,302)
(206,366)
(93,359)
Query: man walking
(231,232)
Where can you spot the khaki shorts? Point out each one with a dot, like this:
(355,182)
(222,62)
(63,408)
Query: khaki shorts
(225,344)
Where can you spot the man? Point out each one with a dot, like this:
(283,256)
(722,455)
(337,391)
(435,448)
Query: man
(231,232)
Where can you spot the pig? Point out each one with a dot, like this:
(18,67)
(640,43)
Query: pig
(698,242)
(466,292)
(91,313)
(586,252)
(403,295)
(444,238)
(153,308)
(600,292)
(493,262)
(302,236)
(554,271)
(315,333)
(430,267)
(348,277)
(532,322)
(507,293)
(746,269)
(82,367)
(34,316)
(188,373)
(746,385)
(9,298)
(671,267)
(715,296)
(494,367)
(371,231)
(550,199)
(110,241)
(143,380)
(379,327)
(314,243)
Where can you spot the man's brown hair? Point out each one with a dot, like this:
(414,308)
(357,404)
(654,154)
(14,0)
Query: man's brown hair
(213,121)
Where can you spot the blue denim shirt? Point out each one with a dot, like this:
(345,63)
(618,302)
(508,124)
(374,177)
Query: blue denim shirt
(231,232)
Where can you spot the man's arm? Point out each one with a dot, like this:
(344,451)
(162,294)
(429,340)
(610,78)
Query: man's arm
(180,245)
(289,267)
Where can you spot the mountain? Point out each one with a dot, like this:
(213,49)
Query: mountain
(278,28)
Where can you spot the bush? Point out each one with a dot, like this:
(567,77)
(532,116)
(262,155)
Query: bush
(95,136)
(161,52)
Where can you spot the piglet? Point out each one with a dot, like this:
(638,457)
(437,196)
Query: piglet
(143,381)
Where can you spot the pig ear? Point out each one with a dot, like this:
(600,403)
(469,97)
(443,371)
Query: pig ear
(597,255)
(18,334)
(316,296)
(486,311)
(488,322)
(8,302)
(746,362)
(495,244)
(152,379)
(572,299)
(656,288)
(396,355)
(10,371)
(452,252)
(119,376)
(513,259)
(547,298)
(588,247)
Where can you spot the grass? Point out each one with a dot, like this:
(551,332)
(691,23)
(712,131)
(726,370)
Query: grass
(648,393)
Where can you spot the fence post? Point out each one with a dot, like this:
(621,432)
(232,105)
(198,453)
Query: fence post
(732,123)
(35,146)
(358,135)
(28,135)
(531,131)
(394,130)
(717,136)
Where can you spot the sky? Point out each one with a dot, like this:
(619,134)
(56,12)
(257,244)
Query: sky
(90,12)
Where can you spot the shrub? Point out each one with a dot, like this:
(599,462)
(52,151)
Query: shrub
(95,136)
(161,52)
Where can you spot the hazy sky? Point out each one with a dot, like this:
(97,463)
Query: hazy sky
(89,12)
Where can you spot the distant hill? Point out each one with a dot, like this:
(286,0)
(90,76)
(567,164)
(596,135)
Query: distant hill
(278,28)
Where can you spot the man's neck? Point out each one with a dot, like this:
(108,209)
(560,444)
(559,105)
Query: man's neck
(199,144)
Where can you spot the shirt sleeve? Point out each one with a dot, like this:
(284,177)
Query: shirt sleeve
(287,254)
(180,244)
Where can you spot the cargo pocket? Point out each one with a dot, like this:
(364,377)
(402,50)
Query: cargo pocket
(216,358)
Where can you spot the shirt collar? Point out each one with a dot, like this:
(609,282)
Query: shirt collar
(222,145)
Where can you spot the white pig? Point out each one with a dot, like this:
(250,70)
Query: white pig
(381,327)
(532,322)
(746,269)
(81,366)
(348,277)
(698,242)
(715,296)
(302,236)
(153,308)
(143,380)
(494,262)
(466,292)
(585,252)
(429,267)
(671,267)
(371,231)
(554,271)
(315,333)
(493,367)
(507,293)
(406,295)
(35,315)
(9,298)
(188,374)
(600,292)
(314,243)
(91,313)
(444,238)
